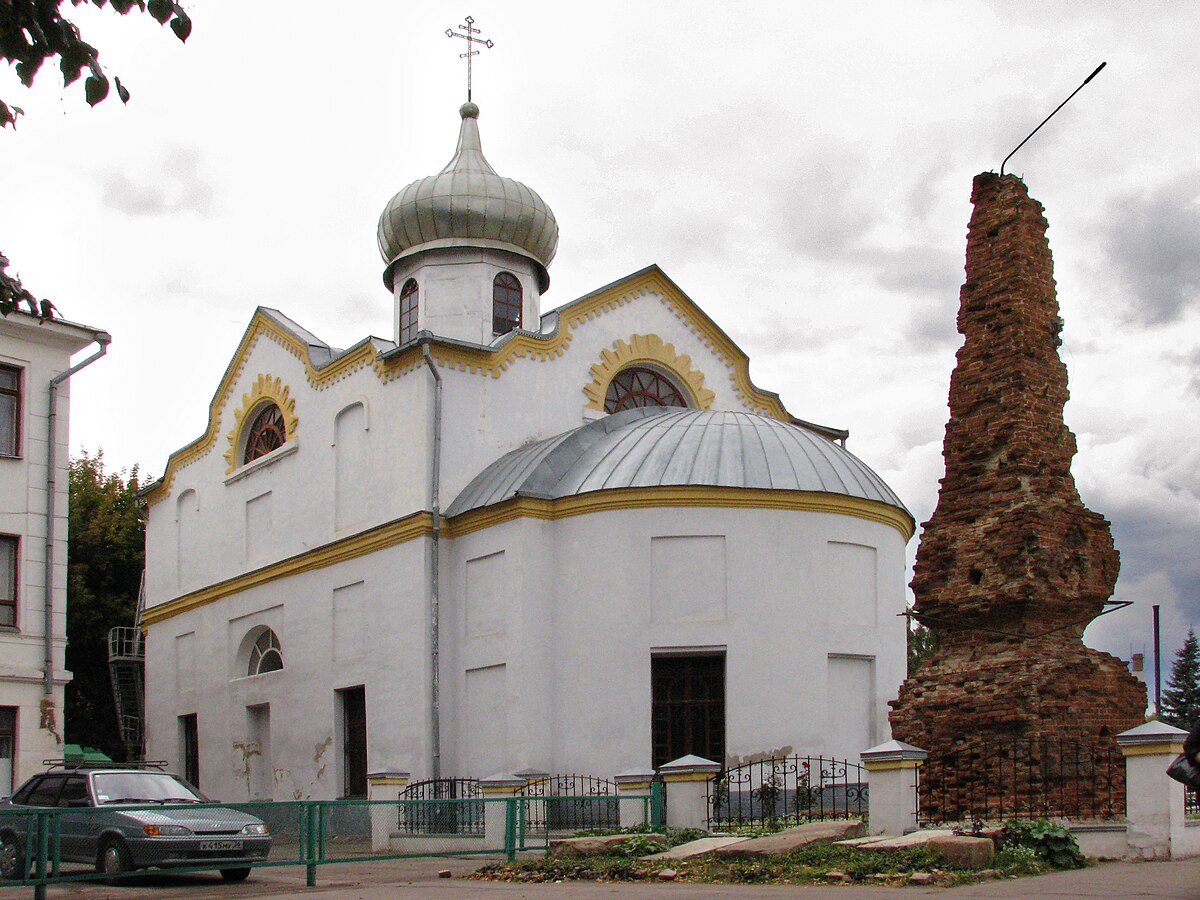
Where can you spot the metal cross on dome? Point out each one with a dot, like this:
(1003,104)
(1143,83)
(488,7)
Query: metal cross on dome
(467,33)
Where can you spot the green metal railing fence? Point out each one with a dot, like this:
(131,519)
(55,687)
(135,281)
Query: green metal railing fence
(311,833)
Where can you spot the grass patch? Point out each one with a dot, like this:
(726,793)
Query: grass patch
(814,863)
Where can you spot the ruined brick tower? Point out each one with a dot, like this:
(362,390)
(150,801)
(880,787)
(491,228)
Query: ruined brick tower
(1012,566)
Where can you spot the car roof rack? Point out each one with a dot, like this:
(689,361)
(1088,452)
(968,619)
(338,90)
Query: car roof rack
(73,763)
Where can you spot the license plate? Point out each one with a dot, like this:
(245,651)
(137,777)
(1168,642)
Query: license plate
(220,845)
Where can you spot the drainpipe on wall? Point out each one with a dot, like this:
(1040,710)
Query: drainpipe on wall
(103,339)
(434,599)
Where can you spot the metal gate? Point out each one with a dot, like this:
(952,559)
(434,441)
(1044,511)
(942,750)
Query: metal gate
(564,804)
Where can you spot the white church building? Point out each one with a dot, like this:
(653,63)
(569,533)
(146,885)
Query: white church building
(579,540)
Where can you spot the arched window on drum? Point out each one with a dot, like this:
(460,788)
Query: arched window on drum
(506,303)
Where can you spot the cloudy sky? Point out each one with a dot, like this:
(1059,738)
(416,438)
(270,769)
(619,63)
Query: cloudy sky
(803,171)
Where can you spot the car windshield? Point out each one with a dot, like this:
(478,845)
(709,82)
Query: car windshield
(142,787)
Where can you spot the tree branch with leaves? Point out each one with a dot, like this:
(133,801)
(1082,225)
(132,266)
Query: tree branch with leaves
(33,32)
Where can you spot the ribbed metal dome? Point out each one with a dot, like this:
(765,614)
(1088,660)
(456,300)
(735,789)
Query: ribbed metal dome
(468,205)
(656,446)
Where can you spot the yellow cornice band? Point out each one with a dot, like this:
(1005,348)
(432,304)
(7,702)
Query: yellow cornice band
(378,538)
(679,777)
(483,360)
(684,495)
(1163,748)
(891,765)
(421,524)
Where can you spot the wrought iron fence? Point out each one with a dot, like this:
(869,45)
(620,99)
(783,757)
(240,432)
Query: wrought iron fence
(442,818)
(1191,803)
(997,779)
(786,790)
(570,803)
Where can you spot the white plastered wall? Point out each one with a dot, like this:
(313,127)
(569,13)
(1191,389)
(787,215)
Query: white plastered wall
(40,351)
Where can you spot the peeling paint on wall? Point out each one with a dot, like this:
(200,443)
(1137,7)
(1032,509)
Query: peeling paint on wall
(732,759)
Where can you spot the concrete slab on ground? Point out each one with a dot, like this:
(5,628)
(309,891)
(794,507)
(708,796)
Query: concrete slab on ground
(890,842)
(584,846)
(791,838)
(696,848)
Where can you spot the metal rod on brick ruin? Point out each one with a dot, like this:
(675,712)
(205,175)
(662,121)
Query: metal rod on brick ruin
(1051,116)
(1157,666)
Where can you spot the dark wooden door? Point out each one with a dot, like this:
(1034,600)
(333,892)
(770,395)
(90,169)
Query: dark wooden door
(354,741)
(687,707)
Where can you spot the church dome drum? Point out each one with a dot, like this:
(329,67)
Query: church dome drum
(468,205)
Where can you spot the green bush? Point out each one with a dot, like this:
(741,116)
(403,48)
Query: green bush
(1052,842)
(1019,861)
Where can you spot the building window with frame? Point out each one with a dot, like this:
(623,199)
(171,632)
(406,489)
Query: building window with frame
(267,432)
(10,411)
(8,579)
(638,386)
(409,295)
(266,655)
(506,303)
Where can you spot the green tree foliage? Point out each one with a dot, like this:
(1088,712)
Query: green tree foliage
(1181,696)
(35,31)
(922,643)
(104,571)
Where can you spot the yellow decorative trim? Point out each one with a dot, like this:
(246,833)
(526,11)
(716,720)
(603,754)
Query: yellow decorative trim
(1164,748)
(352,547)
(677,777)
(492,789)
(482,361)
(682,495)
(633,785)
(891,765)
(421,523)
(265,388)
(646,348)
(386,781)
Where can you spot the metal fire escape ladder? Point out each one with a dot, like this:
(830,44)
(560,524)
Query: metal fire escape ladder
(126,669)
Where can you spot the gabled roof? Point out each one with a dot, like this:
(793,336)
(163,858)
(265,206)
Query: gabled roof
(324,364)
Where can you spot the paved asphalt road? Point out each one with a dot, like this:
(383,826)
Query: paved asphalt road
(419,878)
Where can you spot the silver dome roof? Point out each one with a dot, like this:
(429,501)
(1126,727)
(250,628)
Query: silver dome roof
(655,446)
(468,205)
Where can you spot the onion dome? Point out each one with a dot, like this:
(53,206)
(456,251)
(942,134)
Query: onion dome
(468,205)
(663,446)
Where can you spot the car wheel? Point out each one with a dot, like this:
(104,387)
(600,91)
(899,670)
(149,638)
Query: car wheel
(235,874)
(12,859)
(113,861)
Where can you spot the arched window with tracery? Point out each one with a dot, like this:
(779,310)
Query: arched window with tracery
(506,303)
(638,386)
(266,655)
(267,432)
(408,310)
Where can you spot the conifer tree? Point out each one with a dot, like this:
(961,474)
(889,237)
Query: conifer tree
(1181,696)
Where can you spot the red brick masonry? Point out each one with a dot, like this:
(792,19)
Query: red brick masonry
(1012,566)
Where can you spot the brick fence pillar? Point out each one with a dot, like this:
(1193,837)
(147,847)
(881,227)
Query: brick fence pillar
(892,800)
(686,782)
(1153,802)
(495,815)
(385,818)
(635,782)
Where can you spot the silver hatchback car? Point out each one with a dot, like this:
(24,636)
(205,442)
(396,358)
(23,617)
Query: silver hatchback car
(97,825)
